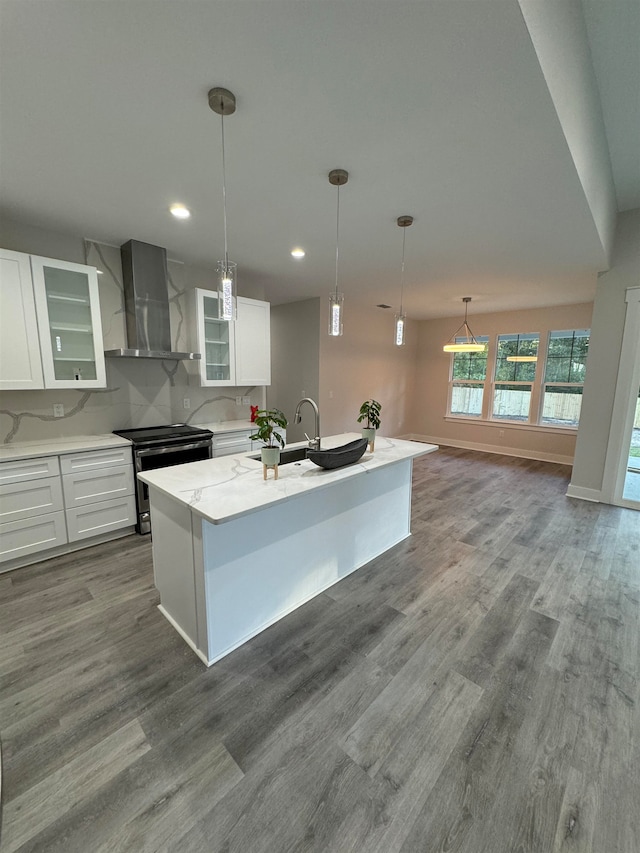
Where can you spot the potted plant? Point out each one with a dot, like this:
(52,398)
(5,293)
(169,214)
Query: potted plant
(370,412)
(267,421)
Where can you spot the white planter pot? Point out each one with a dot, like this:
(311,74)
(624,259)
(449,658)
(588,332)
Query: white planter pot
(270,456)
(370,434)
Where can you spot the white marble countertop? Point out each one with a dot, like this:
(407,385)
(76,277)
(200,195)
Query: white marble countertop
(227,426)
(56,446)
(222,489)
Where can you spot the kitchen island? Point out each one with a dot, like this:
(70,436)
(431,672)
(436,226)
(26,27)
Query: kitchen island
(233,553)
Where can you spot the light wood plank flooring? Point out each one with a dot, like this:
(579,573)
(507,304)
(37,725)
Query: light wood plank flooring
(474,689)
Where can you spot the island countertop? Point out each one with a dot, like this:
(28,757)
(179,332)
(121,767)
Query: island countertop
(229,487)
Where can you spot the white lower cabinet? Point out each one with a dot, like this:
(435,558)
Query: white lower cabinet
(51,501)
(228,443)
(19,539)
(92,487)
(98,518)
(33,497)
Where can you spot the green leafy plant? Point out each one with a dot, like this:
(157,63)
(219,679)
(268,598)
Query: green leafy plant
(267,421)
(370,411)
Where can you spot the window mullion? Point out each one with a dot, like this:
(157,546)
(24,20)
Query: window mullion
(537,395)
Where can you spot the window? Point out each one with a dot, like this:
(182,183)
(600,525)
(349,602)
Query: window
(468,375)
(564,377)
(520,391)
(515,373)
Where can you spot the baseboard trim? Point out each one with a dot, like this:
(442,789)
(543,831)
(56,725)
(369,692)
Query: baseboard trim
(584,494)
(492,448)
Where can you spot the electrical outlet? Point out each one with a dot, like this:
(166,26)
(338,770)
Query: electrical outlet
(331,395)
(238,401)
(501,433)
(58,410)
(186,403)
(246,401)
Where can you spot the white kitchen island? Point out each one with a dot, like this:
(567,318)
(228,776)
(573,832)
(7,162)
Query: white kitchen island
(233,553)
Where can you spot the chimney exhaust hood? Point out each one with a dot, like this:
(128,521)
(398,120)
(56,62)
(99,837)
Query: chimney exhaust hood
(146,304)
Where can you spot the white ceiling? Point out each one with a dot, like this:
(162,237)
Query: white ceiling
(437,109)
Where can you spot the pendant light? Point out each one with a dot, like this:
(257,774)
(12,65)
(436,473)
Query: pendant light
(337,178)
(470,344)
(223,102)
(401,318)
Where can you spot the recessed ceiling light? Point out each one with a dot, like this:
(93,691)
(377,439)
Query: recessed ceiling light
(180,211)
(298,254)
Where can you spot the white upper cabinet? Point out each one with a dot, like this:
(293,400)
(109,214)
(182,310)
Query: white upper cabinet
(20,362)
(216,342)
(237,353)
(68,310)
(253,342)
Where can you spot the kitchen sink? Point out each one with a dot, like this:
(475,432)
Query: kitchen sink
(296,454)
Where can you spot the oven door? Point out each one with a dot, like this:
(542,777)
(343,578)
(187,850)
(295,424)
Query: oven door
(149,458)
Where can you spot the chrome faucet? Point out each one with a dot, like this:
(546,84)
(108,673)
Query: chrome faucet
(314,443)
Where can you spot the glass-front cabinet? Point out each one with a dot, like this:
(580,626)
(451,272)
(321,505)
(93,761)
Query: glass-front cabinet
(70,331)
(216,341)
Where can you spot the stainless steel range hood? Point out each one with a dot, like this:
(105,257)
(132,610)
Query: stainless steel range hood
(146,304)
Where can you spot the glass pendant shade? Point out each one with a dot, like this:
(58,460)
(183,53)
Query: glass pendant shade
(401,320)
(227,290)
(336,305)
(337,178)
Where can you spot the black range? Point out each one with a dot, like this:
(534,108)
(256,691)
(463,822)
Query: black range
(159,447)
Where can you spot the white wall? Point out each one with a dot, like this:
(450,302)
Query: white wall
(604,356)
(295,361)
(364,363)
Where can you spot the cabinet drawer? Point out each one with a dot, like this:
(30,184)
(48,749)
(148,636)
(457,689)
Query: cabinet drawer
(92,460)
(231,442)
(89,487)
(35,497)
(94,519)
(19,470)
(237,442)
(30,535)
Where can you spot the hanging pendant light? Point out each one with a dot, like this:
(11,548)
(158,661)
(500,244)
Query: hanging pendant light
(223,102)
(337,178)
(470,344)
(401,318)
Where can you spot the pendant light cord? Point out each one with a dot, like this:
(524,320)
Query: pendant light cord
(404,235)
(224,198)
(337,237)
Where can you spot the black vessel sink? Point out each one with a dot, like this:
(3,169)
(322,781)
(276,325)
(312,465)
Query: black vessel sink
(338,457)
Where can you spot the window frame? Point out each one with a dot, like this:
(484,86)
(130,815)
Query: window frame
(453,381)
(528,384)
(537,385)
(544,384)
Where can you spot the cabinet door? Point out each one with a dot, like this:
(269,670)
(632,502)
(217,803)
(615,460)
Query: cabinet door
(216,342)
(90,487)
(253,342)
(20,363)
(31,535)
(68,309)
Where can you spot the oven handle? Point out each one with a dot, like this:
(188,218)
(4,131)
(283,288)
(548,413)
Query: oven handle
(173,448)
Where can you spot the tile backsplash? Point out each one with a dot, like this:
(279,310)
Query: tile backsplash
(140,392)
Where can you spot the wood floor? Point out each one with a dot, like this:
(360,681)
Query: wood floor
(474,689)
